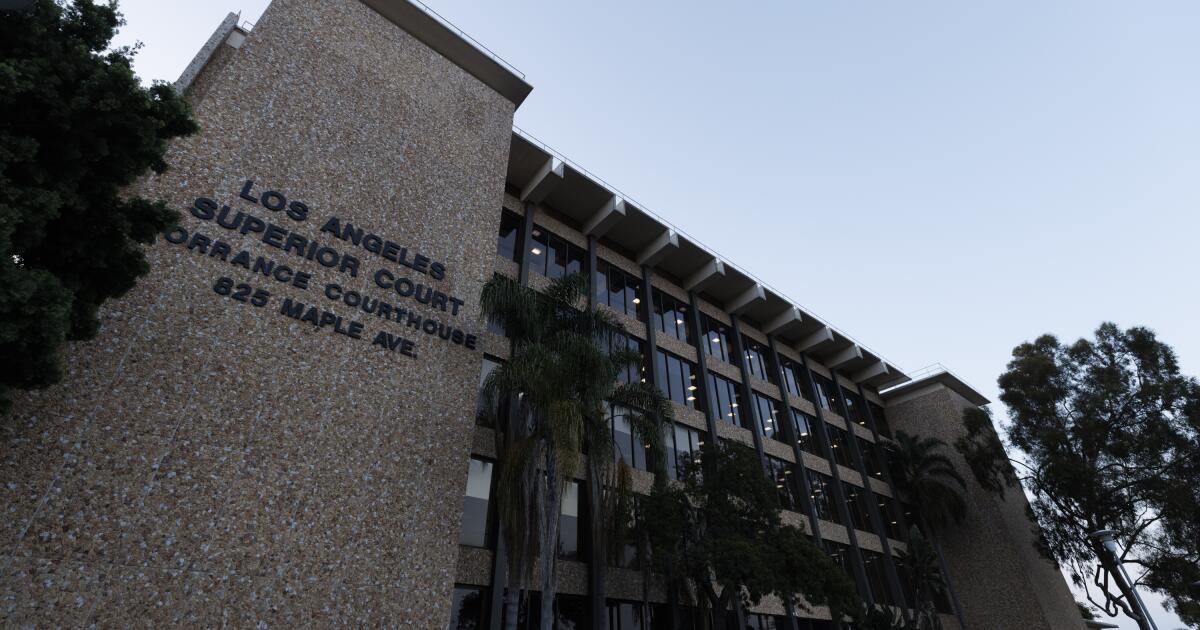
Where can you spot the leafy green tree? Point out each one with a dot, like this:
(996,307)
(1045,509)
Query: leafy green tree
(1110,432)
(559,382)
(76,128)
(720,533)
(929,478)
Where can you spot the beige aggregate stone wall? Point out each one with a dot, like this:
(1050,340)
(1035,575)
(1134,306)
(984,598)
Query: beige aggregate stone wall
(1000,579)
(210,463)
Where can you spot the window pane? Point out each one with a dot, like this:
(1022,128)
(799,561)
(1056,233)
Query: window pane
(507,242)
(557,258)
(538,251)
(568,524)
(576,259)
(481,412)
(475,504)
(466,608)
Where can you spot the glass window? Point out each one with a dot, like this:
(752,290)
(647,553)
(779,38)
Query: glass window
(556,258)
(785,483)
(840,554)
(715,338)
(539,250)
(627,616)
(679,379)
(670,316)
(725,398)
(481,412)
(871,460)
(769,417)
(804,425)
(682,445)
(508,242)
(880,419)
(839,443)
(860,511)
(795,381)
(855,407)
(876,576)
(631,373)
(466,608)
(826,393)
(889,510)
(626,445)
(756,359)
(474,531)
(618,290)
(569,522)
(821,486)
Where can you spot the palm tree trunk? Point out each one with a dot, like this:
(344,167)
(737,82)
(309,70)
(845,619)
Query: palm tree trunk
(512,596)
(599,566)
(551,508)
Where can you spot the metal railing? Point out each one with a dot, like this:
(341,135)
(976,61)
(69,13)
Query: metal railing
(463,34)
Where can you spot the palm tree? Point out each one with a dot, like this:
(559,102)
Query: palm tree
(933,486)
(929,478)
(923,572)
(559,379)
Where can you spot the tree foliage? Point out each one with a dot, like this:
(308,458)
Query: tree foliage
(76,127)
(554,391)
(929,478)
(1110,430)
(721,531)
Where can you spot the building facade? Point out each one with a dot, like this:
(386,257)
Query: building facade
(278,426)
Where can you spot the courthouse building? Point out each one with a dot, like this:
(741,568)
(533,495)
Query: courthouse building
(277,427)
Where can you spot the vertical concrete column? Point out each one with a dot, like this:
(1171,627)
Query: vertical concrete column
(651,338)
(702,364)
(526,244)
(880,529)
(839,497)
(748,391)
(790,435)
(592,274)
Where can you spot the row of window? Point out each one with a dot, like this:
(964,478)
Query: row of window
(679,384)
(554,256)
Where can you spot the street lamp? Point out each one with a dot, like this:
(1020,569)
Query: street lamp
(1110,559)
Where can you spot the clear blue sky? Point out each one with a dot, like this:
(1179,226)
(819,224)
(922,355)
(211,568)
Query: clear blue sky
(941,180)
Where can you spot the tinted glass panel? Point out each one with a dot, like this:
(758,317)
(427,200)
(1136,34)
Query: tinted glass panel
(508,241)
(715,338)
(569,522)
(840,445)
(803,425)
(756,359)
(725,396)
(822,496)
(678,380)
(475,504)
(539,251)
(466,608)
(482,417)
(670,316)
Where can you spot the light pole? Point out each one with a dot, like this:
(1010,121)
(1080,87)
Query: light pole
(1110,558)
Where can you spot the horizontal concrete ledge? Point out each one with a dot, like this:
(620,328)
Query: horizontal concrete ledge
(451,45)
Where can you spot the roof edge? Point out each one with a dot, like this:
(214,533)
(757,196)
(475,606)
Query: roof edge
(943,377)
(455,45)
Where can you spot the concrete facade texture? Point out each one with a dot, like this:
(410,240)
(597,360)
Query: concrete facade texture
(1000,578)
(211,463)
